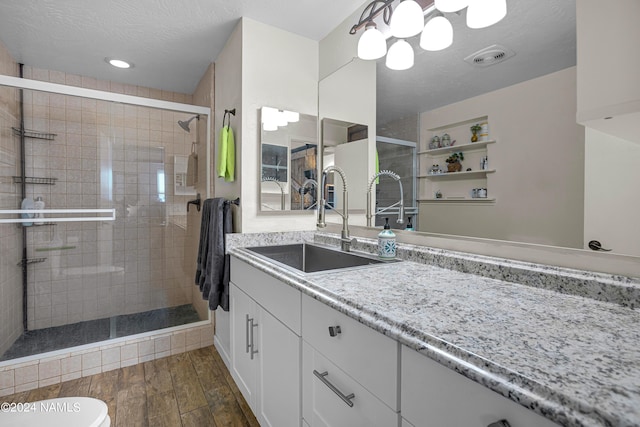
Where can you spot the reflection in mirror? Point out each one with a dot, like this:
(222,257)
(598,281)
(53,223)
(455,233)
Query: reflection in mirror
(288,167)
(345,145)
(542,173)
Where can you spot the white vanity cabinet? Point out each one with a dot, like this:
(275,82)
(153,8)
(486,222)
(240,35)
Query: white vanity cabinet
(349,371)
(433,395)
(265,344)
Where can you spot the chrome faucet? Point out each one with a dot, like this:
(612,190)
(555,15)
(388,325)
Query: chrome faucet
(282,196)
(345,240)
(400,203)
(302,188)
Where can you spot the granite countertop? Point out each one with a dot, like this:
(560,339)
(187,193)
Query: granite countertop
(573,359)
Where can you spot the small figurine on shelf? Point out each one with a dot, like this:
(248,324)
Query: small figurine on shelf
(474,130)
(435,143)
(438,194)
(453,162)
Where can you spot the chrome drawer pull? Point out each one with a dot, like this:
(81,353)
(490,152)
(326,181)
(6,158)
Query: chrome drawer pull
(334,330)
(345,399)
(501,423)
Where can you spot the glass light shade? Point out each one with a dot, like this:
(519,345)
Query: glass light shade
(451,5)
(372,44)
(291,116)
(281,119)
(268,114)
(484,13)
(400,56)
(269,126)
(437,34)
(407,20)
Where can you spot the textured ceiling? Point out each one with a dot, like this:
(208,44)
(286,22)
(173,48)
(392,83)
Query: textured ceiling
(171,42)
(542,33)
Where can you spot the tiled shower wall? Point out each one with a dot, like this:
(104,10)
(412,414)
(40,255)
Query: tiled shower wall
(10,235)
(106,155)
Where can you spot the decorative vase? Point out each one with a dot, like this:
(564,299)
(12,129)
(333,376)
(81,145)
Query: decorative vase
(474,137)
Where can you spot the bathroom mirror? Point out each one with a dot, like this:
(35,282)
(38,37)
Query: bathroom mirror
(545,174)
(289,161)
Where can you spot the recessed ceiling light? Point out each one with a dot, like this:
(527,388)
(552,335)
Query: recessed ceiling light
(118,63)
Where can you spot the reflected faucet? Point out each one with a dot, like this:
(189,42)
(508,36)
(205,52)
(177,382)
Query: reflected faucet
(345,240)
(302,188)
(282,196)
(400,203)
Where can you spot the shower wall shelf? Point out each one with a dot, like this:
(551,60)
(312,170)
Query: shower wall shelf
(34,134)
(34,180)
(48,212)
(31,261)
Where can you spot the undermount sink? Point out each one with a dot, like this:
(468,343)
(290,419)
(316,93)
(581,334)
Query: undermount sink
(308,258)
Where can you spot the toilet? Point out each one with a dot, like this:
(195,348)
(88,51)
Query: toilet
(61,412)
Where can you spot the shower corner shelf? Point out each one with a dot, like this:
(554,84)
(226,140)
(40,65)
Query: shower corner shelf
(31,261)
(34,180)
(34,134)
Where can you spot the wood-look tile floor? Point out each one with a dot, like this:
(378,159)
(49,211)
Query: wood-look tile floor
(185,390)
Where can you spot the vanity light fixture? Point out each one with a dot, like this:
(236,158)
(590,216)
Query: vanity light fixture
(408,20)
(118,63)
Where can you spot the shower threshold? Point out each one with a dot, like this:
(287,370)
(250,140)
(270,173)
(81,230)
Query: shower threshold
(65,336)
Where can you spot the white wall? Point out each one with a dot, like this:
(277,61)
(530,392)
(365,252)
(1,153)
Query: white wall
(612,200)
(539,162)
(279,69)
(228,95)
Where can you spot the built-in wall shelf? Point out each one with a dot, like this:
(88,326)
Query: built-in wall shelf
(479,200)
(34,134)
(34,180)
(459,175)
(462,147)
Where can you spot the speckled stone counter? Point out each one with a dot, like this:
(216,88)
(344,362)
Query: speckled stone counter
(573,359)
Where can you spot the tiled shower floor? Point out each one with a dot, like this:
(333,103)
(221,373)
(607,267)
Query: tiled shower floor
(59,337)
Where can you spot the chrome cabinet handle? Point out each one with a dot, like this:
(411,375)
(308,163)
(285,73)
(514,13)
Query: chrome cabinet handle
(253,344)
(334,331)
(246,334)
(501,423)
(345,398)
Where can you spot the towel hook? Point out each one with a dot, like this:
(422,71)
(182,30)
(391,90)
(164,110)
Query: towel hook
(196,202)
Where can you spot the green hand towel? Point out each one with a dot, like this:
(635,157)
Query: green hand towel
(226,155)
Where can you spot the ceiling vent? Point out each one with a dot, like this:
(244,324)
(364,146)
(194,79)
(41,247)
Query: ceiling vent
(489,56)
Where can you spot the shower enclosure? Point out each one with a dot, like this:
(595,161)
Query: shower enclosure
(113,251)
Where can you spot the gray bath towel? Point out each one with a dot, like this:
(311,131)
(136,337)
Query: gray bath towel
(212,271)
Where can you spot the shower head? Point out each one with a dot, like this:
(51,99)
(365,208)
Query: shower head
(185,124)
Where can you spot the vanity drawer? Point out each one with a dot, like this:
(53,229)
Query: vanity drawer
(434,395)
(279,299)
(366,355)
(322,405)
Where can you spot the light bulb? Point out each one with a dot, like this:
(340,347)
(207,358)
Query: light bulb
(372,44)
(451,5)
(407,20)
(269,126)
(268,114)
(400,56)
(437,34)
(484,13)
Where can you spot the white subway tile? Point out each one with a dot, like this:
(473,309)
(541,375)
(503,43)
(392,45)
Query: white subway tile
(162,344)
(91,360)
(91,371)
(129,351)
(110,356)
(7,391)
(71,376)
(7,379)
(24,387)
(111,366)
(25,375)
(145,348)
(49,369)
(129,362)
(49,381)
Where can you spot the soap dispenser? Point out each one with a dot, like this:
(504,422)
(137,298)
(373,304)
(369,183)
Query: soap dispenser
(387,242)
(409,226)
(39,205)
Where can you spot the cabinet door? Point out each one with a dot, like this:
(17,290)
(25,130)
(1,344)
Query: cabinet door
(243,311)
(279,373)
(433,395)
